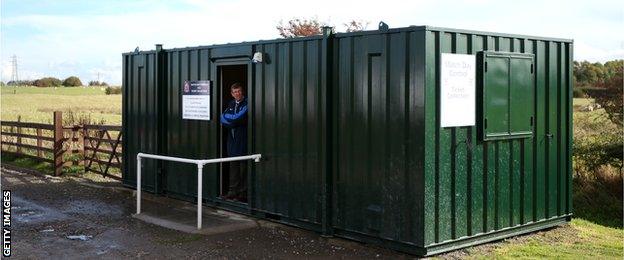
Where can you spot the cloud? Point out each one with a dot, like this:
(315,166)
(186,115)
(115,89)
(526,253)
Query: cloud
(7,72)
(586,51)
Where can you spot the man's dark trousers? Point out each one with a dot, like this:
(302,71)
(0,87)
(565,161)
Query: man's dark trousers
(234,118)
(238,179)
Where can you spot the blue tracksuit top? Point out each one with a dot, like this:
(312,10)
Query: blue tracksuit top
(234,119)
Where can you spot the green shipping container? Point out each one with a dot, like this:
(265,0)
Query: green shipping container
(356,135)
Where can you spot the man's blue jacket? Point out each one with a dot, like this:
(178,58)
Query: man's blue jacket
(234,118)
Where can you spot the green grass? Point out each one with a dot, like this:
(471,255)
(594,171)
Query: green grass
(34,104)
(580,239)
(582,101)
(43,167)
(29,163)
(78,104)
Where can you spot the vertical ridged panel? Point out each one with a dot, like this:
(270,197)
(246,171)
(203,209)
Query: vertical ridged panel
(379,133)
(195,139)
(475,187)
(140,114)
(288,130)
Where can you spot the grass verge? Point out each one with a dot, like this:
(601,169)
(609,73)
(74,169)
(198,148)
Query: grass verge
(581,239)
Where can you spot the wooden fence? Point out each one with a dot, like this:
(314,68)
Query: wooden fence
(96,147)
(102,149)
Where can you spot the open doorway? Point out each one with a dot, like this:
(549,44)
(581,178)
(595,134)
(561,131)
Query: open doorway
(233,186)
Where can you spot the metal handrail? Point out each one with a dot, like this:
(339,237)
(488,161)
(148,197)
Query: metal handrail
(200,166)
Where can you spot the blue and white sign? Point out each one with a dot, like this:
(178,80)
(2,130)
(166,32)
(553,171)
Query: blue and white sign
(196,100)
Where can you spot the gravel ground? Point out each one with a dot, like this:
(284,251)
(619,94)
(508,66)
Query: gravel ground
(48,211)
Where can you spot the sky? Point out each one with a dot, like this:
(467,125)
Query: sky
(61,38)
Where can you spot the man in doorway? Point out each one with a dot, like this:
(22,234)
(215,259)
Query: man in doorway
(234,119)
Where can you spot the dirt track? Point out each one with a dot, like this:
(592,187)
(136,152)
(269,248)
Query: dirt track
(46,210)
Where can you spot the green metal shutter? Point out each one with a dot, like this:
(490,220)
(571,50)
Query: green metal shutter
(508,95)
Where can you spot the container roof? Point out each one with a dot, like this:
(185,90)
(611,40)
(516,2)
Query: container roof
(391,30)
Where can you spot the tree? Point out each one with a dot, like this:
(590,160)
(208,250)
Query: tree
(72,81)
(612,68)
(301,27)
(587,74)
(21,83)
(612,97)
(355,26)
(47,82)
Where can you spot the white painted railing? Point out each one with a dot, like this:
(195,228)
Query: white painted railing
(200,166)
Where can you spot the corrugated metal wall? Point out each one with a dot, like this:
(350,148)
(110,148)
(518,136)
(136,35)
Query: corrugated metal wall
(474,187)
(194,139)
(289,129)
(379,133)
(371,99)
(287,124)
(140,116)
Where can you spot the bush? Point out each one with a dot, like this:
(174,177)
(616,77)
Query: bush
(592,152)
(97,83)
(112,90)
(72,81)
(47,82)
(597,162)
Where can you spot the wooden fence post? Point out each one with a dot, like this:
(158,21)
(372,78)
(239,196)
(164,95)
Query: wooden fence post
(19,138)
(84,146)
(82,143)
(58,143)
(39,142)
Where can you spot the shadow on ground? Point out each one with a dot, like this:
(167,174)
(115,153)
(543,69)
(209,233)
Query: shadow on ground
(67,218)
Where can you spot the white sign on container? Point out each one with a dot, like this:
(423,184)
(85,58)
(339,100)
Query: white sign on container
(457,90)
(196,100)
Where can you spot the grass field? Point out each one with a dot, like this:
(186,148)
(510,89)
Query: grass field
(595,232)
(34,104)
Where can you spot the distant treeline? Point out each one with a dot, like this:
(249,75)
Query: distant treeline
(587,74)
(45,82)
